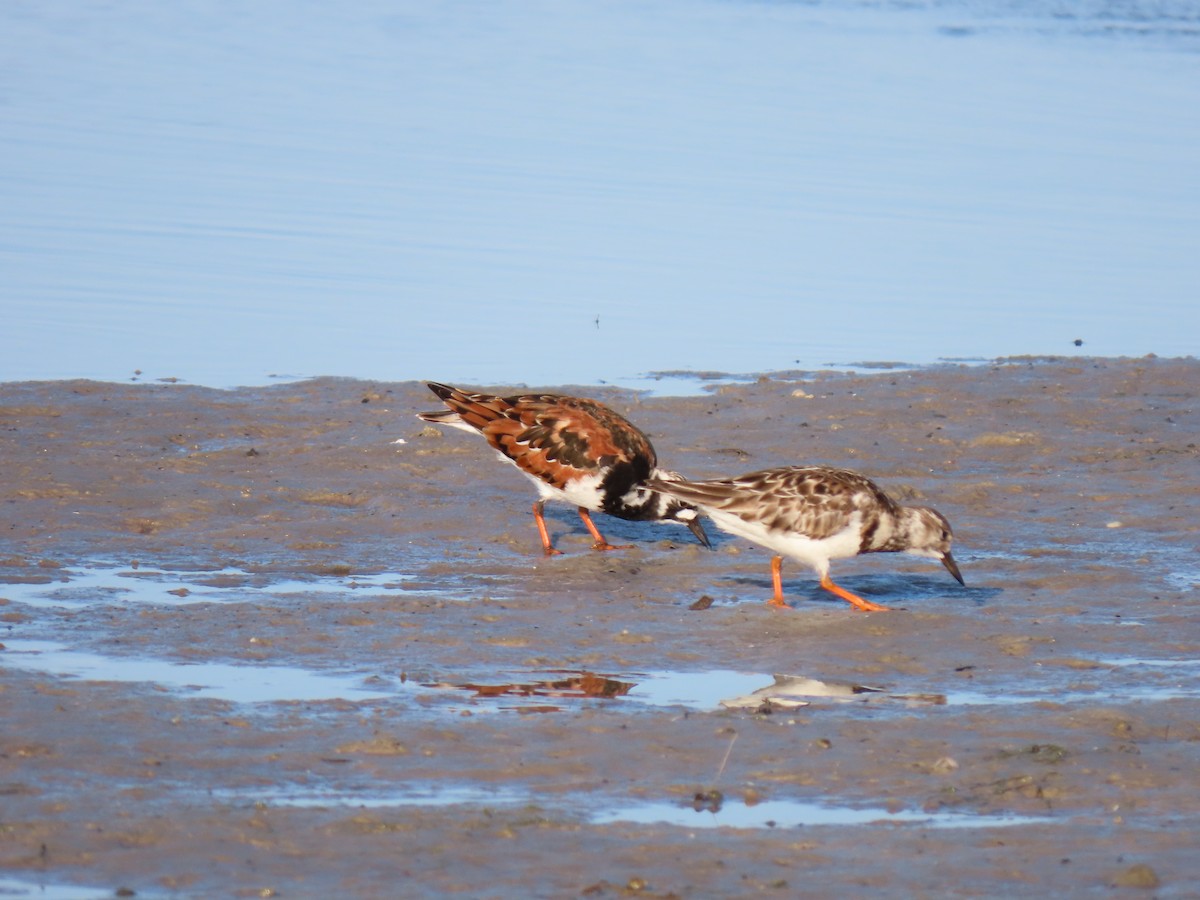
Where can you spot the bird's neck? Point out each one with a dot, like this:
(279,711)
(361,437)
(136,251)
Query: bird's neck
(888,533)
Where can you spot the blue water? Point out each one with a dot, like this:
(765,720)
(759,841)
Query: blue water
(221,681)
(575,192)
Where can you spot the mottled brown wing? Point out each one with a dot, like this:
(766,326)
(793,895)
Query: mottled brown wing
(558,438)
(816,501)
(553,437)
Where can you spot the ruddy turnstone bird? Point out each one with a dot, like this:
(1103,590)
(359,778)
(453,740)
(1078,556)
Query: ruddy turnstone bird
(815,514)
(575,450)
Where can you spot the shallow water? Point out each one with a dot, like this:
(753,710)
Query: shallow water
(371,798)
(220,681)
(89,585)
(1114,680)
(32,888)
(794,814)
(585,193)
(732,813)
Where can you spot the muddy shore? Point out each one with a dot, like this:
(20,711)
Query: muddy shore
(481,721)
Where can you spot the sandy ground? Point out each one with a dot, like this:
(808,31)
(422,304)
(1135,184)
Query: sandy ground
(283,527)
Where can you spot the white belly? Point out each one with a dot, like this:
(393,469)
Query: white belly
(815,554)
(583,492)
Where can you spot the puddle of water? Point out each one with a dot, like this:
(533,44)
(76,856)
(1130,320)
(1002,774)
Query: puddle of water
(739,690)
(793,814)
(1127,678)
(706,690)
(718,814)
(14,887)
(368,798)
(697,690)
(684,383)
(552,691)
(1183,581)
(123,584)
(1129,661)
(221,681)
(791,691)
(710,690)
(1122,694)
(568,686)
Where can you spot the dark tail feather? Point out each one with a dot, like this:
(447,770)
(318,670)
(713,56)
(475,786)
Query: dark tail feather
(442,390)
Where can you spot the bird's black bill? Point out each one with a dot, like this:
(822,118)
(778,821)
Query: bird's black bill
(697,529)
(949,563)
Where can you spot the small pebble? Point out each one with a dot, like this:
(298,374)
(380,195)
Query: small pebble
(945,764)
(1139,876)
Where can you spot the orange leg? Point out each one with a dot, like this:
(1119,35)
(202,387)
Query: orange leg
(777,583)
(541,526)
(858,601)
(601,543)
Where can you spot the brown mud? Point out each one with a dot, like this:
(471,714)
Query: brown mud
(488,725)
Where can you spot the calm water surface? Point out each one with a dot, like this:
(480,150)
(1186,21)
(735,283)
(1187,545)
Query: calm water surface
(575,192)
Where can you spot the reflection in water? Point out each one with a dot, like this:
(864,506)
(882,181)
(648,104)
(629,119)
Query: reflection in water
(584,684)
(791,691)
(697,690)
(1117,679)
(567,686)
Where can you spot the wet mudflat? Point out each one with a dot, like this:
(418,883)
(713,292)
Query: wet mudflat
(287,641)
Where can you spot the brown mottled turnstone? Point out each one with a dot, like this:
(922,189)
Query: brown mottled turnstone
(573,449)
(815,514)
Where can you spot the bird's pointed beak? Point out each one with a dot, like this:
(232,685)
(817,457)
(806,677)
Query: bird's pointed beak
(697,529)
(949,563)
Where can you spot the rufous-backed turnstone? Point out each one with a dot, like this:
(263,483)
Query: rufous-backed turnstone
(815,514)
(575,450)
